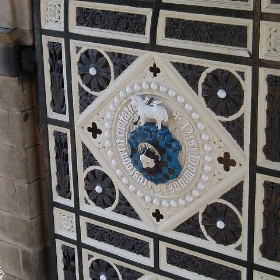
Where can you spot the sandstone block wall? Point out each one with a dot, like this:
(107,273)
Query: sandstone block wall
(22,234)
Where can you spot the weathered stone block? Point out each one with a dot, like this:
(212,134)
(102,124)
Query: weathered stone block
(23,14)
(28,199)
(32,164)
(7,14)
(10,277)
(10,257)
(4,127)
(8,195)
(8,59)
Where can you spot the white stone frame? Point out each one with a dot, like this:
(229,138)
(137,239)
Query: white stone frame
(191,275)
(59,257)
(184,44)
(226,4)
(259,222)
(108,33)
(265,33)
(56,197)
(50,113)
(267,7)
(114,250)
(262,105)
(58,213)
(59,25)
(262,276)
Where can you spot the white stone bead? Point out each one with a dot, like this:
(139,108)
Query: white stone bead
(145,85)
(165,203)
(108,134)
(207,167)
(113,107)
(108,143)
(182,201)
(114,162)
(163,88)
(180,98)
(102,277)
(92,71)
(148,199)
(195,193)
(156,202)
(173,203)
(208,158)
(132,188)
(221,224)
(111,153)
(122,94)
(108,125)
(125,180)
(98,189)
(201,186)
(189,198)
(129,90)
(140,193)
(117,100)
(119,172)
(137,87)
(110,115)
(205,177)
(207,147)
(172,92)
(195,116)
(221,93)
(188,107)
(200,125)
(204,136)
(154,85)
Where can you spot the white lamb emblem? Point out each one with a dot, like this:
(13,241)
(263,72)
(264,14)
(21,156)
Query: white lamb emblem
(149,109)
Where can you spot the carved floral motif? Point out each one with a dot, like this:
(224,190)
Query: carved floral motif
(88,158)
(111,20)
(102,270)
(272,130)
(119,240)
(62,165)
(270,247)
(274,40)
(57,81)
(100,188)
(69,262)
(53,12)
(223,93)
(66,222)
(94,70)
(206,32)
(128,273)
(85,98)
(201,266)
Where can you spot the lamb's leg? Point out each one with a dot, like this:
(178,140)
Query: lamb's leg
(142,120)
(159,125)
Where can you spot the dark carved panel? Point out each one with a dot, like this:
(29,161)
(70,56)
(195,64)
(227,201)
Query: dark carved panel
(223,93)
(100,188)
(191,73)
(100,269)
(275,1)
(56,74)
(121,62)
(272,130)
(221,223)
(128,273)
(94,70)
(88,158)
(206,32)
(270,247)
(85,98)
(119,240)
(69,263)
(62,164)
(125,208)
(235,196)
(236,129)
(110,20)
(201,266)
(191,227)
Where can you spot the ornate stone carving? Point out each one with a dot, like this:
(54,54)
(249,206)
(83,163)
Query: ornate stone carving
(66,223)
(57,80)
(201,266)
(94,70)
(206,32)
(102,270)
(270,247)
(221,223)
(85,98)
(273,40)
(110,20)
(62,165)
(69,262)
(53,12)
(272,130)
(223,93)
(100,188)
(88,158)
(119,240)
(128,273)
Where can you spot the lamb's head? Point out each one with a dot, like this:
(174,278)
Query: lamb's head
(136,100)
